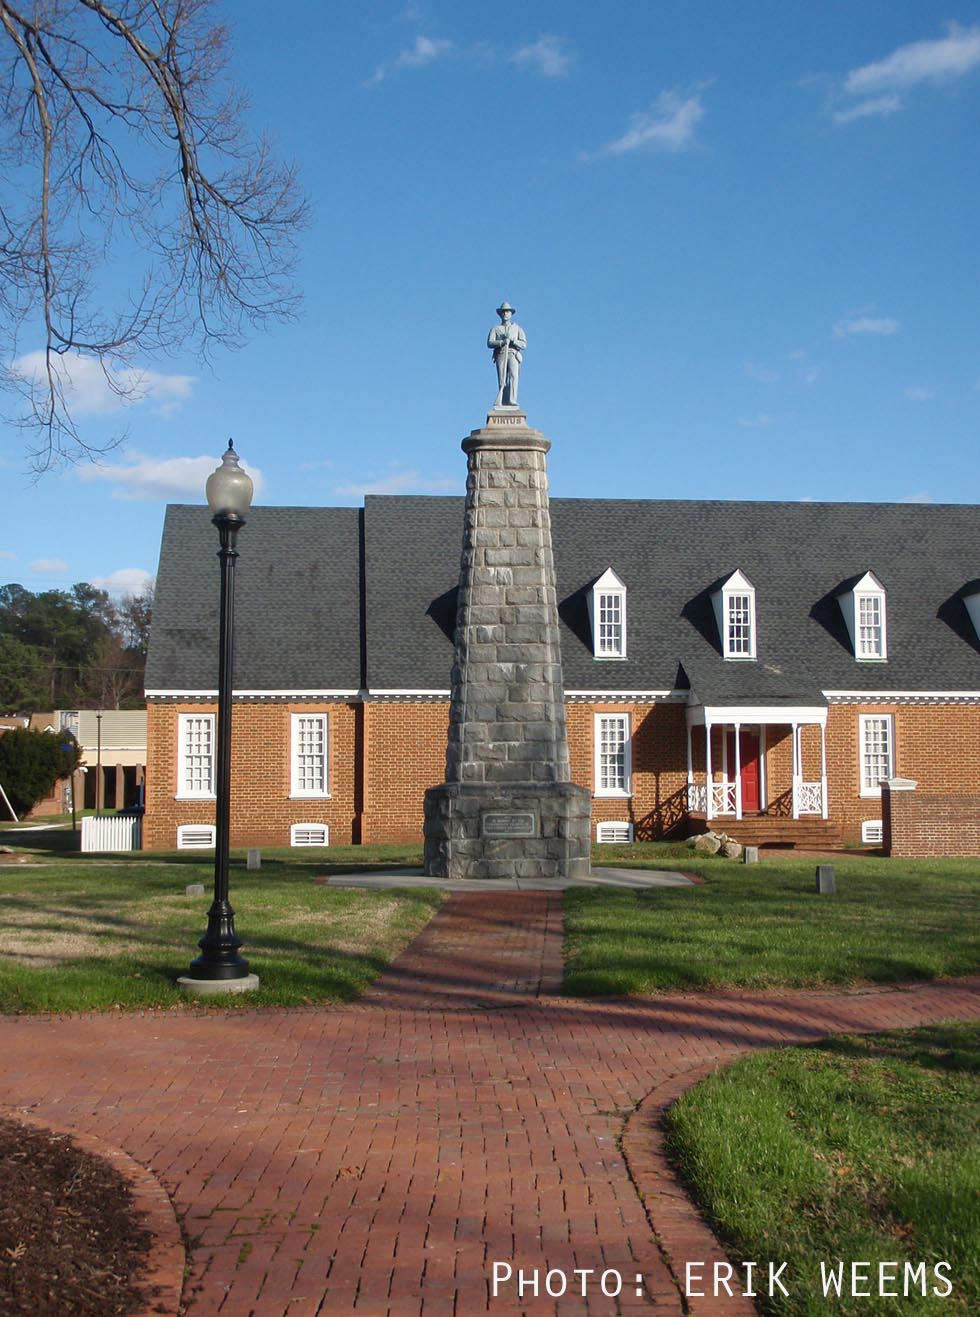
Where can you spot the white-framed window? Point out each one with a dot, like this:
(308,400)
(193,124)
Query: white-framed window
(195,756)
(877,736)
(309,755)
(872,833)
(870,626)
(607,613)
(612,754)
(309,834)
(195,836)
(613,831)
(738,626)
(734,604)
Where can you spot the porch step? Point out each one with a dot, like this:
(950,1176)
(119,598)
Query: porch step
(765,830)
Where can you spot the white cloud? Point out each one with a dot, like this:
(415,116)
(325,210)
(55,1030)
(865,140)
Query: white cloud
(952,56)
(425,51)
(668,125)
(89,390)
(875,105)
(811,375)
(399,482)
(866,324)
(922,496)
(142,477)
(761,373)
(877,85)
(127,580)
(48,566)
(918,393)
(546,56)
(7,556)
(324,464)
(757,422)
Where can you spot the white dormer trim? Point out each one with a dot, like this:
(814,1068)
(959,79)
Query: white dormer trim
(971,602)
(865,613)
(607,616)
(734,605)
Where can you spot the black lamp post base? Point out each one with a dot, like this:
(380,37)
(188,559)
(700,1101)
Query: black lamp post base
(212,987)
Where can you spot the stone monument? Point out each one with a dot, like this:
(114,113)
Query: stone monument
(508,807)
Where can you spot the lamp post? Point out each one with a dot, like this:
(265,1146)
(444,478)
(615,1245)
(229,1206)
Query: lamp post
(219,967)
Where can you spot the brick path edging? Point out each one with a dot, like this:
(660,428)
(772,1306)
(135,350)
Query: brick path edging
(161,1279)
(681,1230)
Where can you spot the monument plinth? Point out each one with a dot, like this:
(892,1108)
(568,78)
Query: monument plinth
(508,807)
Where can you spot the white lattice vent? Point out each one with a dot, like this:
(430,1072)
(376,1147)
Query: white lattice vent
(309,834)
(613,832)
(195,836)
(872,833)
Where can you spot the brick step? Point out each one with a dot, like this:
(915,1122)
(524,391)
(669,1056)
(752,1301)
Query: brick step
(764,831)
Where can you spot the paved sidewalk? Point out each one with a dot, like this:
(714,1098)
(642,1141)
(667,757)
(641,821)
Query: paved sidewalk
(380,1158)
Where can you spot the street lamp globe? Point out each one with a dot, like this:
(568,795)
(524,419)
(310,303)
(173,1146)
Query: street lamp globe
(229,489)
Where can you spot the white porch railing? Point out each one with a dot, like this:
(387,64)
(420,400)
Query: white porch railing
(723,797)
(807,797)
(112,832)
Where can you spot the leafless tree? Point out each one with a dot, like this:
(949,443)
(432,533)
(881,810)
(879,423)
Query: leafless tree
(125,159)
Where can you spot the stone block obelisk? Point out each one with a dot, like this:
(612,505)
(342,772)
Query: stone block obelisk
(508,808)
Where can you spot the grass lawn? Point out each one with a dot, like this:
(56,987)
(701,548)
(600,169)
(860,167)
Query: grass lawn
(93,932)
(765,926)
(860,1148)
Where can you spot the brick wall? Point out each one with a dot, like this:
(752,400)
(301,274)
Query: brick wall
(404,753)
(936,745)
(261,808)
(404,745)
(926,825)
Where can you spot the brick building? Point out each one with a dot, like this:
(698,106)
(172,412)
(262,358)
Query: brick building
(754,667)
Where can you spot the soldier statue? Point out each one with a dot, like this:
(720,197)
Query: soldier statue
(507,343)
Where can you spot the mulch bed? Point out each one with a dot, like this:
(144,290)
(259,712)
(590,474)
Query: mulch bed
(69,1238)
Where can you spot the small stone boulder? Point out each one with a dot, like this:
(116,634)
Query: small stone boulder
(707,844)
(732,850)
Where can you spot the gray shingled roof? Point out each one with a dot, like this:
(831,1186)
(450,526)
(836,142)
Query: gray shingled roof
(299,596)
(297,601)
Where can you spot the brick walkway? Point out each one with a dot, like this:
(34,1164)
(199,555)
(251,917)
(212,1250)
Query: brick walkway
(378,1159)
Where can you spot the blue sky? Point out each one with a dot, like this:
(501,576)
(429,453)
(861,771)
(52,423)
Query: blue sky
(741,240)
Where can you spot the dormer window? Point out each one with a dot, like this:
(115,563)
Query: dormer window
(863,606)
(607,614)
(735,613)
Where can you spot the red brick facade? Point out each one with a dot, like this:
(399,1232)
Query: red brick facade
(383,755)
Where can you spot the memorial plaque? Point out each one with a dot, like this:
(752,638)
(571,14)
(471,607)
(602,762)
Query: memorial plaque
(508,825)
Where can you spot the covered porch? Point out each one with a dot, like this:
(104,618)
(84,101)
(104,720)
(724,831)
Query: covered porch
(757,761)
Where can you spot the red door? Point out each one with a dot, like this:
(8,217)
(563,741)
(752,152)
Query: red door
(748,746)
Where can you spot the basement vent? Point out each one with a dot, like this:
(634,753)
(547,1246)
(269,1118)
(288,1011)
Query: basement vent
(871,832)
(195,836)
(309,834)
(613,832)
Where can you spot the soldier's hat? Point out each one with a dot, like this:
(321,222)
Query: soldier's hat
(505,306)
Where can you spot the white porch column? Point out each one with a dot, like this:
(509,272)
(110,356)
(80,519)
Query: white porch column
(738,772)
(690,758)
(823,771)
(796,770)
(709,792)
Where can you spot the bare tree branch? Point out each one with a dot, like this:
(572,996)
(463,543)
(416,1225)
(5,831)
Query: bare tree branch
(123,148)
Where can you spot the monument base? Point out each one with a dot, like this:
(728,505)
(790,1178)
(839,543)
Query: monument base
(483,830)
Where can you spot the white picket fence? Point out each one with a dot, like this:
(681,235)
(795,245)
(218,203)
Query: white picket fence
(113,832)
